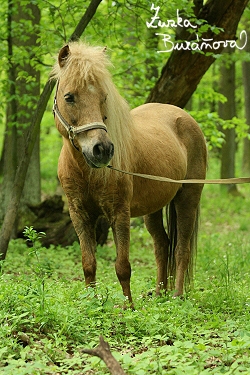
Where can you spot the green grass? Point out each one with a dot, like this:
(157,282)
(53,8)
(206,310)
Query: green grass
(47,315)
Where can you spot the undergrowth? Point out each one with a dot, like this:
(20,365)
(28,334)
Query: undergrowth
(47,315)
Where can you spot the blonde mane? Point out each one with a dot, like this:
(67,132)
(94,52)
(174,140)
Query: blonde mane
(87,63)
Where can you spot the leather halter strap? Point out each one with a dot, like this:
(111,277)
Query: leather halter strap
(73,130)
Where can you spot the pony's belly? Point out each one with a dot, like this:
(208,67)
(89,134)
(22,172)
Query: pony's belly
(152,197)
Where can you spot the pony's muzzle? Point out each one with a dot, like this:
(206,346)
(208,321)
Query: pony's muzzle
(100,155)
(100,151)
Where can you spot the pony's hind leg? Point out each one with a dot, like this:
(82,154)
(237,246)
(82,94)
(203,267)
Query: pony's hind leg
(186,204)
(154,224)
(121,232)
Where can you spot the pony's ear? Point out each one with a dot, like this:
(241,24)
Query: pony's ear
(63,55)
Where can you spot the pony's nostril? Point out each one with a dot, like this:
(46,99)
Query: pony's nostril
(98,150)
(111,150)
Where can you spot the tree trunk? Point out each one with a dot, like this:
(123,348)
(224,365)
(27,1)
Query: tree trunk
(227,111)
(9,157)
(23,97)
(29,92)
(152,44)
(32,134)
(246,84)
(184,69)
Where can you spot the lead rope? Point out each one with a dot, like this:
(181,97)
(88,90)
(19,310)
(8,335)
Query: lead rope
(223,181)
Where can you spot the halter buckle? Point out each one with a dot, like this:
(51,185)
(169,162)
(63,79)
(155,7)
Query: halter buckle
(71,133)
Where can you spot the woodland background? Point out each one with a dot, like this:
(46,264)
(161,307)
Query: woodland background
(47,316)
(213,87)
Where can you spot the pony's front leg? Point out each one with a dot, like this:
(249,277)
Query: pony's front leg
(121,232)
(88,246)
(85,230)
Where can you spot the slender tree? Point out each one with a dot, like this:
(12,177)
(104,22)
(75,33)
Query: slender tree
(246,84)
(227,111)
(31,137)
(22,96)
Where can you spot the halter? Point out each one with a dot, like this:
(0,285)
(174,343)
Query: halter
(74,130)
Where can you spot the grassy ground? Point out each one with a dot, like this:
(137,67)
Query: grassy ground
(47,315)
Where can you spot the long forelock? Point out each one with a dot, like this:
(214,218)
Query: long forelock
(84,63)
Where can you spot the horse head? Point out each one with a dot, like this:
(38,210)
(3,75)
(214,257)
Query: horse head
(79,108)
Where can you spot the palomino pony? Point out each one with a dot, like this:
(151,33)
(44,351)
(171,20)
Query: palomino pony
(159,139)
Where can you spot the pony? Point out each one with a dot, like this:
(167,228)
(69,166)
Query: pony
(98,129)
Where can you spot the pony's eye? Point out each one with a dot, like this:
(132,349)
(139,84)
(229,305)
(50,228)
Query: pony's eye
(69,98)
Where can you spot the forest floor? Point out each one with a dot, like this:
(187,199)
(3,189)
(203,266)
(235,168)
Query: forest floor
(48,316)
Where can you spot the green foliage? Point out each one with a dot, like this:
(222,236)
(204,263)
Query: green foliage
(240,126)
(210,123)
(40,268)
(120,25)
(33,236)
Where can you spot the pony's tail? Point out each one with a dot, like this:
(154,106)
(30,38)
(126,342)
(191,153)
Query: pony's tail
(172,235)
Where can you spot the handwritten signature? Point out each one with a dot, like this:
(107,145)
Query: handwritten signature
(206,44)
(170,23)
(200,44)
